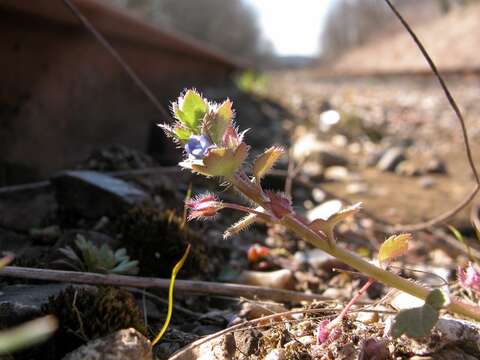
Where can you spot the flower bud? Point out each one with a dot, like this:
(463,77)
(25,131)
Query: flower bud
(203,206)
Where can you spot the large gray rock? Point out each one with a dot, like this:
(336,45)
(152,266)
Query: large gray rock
(92,194)
(127,344)
(19,303)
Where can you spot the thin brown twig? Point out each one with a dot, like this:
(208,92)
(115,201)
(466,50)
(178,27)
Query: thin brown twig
(450,213)
(185,286)
(114,53)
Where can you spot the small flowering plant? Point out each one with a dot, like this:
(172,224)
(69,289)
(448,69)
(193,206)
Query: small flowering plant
(214,147)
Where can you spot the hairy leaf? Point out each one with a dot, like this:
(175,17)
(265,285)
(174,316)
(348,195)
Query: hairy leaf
(242,224)
(218,121)
(222,161)
(265,162)
(191,109)
(394,246)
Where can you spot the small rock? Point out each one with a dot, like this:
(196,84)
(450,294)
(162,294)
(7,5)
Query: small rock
(356,188)
(335,293)
(93,195)
(279,279)
(307,340)
(324,210)
(373,348)
(327,119)
(319,195)
(407,168)
(308,146)
(308,204)
(336,173)
(436,166)
(401,301)
(339,140)
(315,258)
(391,158)
(367,317)
(252,310)
(276,354)
(426,182)
(313,169)
(127,344)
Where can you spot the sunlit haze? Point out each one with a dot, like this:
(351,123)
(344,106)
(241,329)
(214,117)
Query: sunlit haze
(293,26)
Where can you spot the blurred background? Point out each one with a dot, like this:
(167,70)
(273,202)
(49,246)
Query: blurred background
(63,95)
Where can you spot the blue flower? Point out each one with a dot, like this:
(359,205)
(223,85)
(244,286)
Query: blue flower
(197,146)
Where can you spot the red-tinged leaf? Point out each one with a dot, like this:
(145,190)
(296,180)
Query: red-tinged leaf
(394,246)
(280,205)
(265,162)
(222,162)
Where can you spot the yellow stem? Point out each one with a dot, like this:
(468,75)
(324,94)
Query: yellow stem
(175,270)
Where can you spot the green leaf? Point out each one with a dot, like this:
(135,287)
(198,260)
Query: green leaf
(191,109)
(416,322)
(217,122)
(182,134)
(437,299)
(222,162)
(265,162)
(394,246)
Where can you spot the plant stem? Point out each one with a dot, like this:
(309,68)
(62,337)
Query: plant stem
(388,278)
(352,302)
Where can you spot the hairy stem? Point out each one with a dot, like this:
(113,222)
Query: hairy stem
(372,271)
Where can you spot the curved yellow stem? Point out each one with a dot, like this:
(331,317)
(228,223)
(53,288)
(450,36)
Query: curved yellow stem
(175,270)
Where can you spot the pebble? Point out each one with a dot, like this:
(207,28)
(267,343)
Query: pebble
(276,354)
(336,173)
(356,188)
(319,195)
(436,166)
(391,158)
(427,182)
(407,168)
(278,279)
(127,344)
(327,119)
